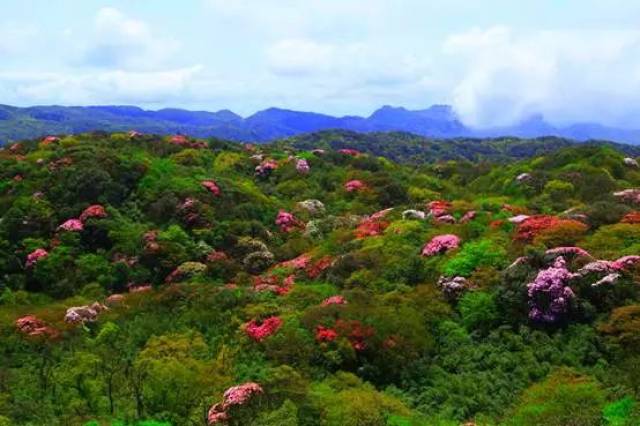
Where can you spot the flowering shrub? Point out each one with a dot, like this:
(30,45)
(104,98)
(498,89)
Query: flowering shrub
(354,185)
(313,207)
(519,218)
(550,294)
(234,396)
(356,332)
(628,161)
(322,264)
(140,288)
(302,166)
(626,262)
(274,284)
(35,256)
(349,151)
(631,196)
(524,177)
(259,331)
(468,216)
(413,214)
(334,300)
(82,314)
(287,221)
(94,211)
(50,140)
(372,225)
(563,251)
(211,186)
(549,228)
(114,299)
(265,168)
(325,334)
(441,244)
(33,326)
(632,218)
(439,208)
(216,256)
(185,271)
(72,225)
(453,287)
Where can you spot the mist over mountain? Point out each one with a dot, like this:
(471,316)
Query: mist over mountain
(437,121)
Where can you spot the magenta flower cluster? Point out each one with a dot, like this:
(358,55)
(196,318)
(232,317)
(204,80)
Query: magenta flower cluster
(234,396)
(550,294)
(441,244)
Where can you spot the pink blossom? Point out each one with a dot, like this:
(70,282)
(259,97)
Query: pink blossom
(34,326)
(35,256)
(216,256)
(266,167)
(211,186)
(468,216)
(114,299)
(549,293)
(563,251)
(94,211)
(72,225)
(354,185)
(439,208)
(598,266)
(441,244)
(334,300)
(300,262)
(302,166)
(445,218)
(325,334)
(139,288)
(629,195)
(287,221)
(625,262)
(349,151)
(453,286)
(234,396)
(82,314)
(519,218)
(50,139)
(179,140)
(259,331)
(607,279)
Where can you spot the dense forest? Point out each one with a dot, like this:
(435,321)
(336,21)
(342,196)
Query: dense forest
(319,280)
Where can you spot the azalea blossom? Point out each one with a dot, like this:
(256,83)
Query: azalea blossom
(302,166)
(266,167)
(325,334)
(453,286)
(287,221)
(82,314)
(334,300)
(234,396)
(94,211)
(349,151)
(441,244)
(354,185)
(439,208)
(34,326)
(563,251)
(260,330)
(72,225)
(35,256)
(629,195)
(550,294)
(211,186)
(468,216)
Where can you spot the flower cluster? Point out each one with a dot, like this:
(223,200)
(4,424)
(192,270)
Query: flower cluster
(438,208)
(34,326)
(325,334)
(334,300)
(354,185)
(211,186)
(259,331)
(322,264)
(274,284)
(139,288)
(82,314)
(183,141)
(35,256)
(524,177)
(532,226)
(468,216)
(48,140)
(114,299)
(185,271)
(632,218)
(94,211)
(300,262)
(302,166)
(216,256)
(563,251)
(265,168)
(550,294)
(356,332)
(631,196)
(287,221)
(151,244)
(630,162)
(234,396)
(313,207)
(372,225)
(413,214)
(453,287)
(441,244)
(519,218)
(72,225)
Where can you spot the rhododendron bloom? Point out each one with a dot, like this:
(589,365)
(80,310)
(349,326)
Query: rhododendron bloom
(453,286)
(179,140)
(354,185)
(302,166)
(234,396)
(599,266)
(81,314)
(314,207)
(349,151)
(562,251)
(35,256)
(441,244)
(216,256)
(139,288)
(34,326)
(414,214)
(322,264)
(372,225)
(535,225)
(629,195)
(356,332)
(114,299)
(287,221)
(445,218)
(607,279)
(94,211)
(211,186)
(519,218)
(259,331)
(299,262)
(550,294)
(274,284)
(630,162)
(626,262)
(72,225)
(334,300)
(325,334)
(633,218)
(266,167)
(438,208)
(50,139)
(468,216)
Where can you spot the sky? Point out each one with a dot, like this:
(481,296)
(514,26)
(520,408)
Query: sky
(495,61)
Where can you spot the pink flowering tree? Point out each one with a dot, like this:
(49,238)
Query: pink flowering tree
(260,330)
(441,244)
(235,397)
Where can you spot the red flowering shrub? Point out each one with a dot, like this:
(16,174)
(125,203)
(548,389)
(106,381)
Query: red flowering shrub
(349,151)
(274,284)
(372,225)
(259,331)
(35,256)
(633,218)
(300,262)
(94,211)
(354,185)
(334,300)
(441,244)
(324,263)
(211,186)
(325,334)
(438,208)
(356,332)
(548,227)
(33,326)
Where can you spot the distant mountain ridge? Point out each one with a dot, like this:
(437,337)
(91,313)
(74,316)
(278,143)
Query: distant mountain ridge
(437,121)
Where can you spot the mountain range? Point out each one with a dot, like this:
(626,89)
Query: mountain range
(437,121)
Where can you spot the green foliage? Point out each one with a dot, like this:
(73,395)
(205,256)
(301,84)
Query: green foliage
(474,255)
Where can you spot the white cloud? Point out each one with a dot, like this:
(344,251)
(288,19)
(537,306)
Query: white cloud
(124,42)
(15,39)
(502,76)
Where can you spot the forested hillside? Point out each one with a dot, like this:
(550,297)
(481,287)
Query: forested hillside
(175,281)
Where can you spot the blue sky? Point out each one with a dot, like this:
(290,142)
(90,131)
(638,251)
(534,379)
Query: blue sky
(495,61)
